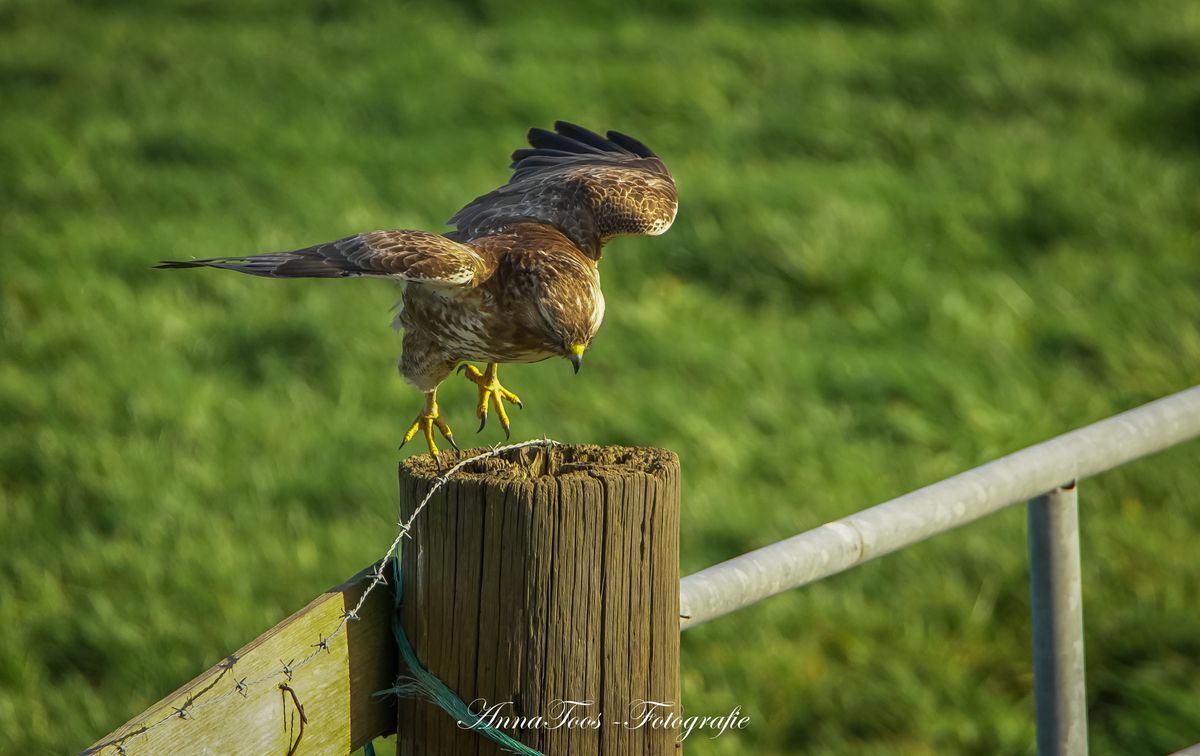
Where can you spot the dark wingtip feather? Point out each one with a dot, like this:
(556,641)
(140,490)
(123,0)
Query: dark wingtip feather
(296,264)
(629,143)
(583,136)
(570,142)
(543,139)
(175,264)
(538,137)
(527,152)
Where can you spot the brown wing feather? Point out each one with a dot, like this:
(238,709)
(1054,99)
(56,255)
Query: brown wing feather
(407,255)
(590,187)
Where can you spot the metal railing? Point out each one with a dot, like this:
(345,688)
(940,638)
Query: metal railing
(1043,474)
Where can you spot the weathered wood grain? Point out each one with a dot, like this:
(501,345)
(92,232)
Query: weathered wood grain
(543,577)
(335,689)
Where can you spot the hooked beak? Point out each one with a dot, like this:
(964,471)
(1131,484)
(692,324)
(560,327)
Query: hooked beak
(576,355)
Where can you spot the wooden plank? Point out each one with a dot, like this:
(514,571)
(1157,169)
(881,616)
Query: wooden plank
(545,576)
(239,706)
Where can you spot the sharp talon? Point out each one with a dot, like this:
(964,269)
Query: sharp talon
(461,368)
(490,392)
(429,420)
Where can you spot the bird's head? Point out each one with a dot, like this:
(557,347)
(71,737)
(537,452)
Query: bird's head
(567,331)
(569,307)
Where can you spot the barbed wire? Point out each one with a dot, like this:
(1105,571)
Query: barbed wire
(193,704)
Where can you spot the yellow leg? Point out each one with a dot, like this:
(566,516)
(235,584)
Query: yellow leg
(428,419)
(490,390)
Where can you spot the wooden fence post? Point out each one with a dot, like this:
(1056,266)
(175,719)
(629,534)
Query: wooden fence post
(546,584)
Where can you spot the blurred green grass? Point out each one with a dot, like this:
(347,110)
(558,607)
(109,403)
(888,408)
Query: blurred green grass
(912,237)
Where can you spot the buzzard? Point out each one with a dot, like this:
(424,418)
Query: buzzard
(516,281)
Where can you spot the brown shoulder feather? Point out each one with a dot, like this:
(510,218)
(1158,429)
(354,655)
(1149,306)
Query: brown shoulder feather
(591,187)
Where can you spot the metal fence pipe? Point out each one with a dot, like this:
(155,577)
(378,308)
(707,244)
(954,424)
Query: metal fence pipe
(965,497)
(1056,601)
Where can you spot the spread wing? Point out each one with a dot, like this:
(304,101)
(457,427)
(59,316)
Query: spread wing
(590,187)
(406,255)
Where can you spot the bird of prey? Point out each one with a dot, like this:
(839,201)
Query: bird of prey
(516,281)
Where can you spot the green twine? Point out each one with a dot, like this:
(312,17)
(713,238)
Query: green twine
(425,684)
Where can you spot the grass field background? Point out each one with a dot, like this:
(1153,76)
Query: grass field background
(912,237)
